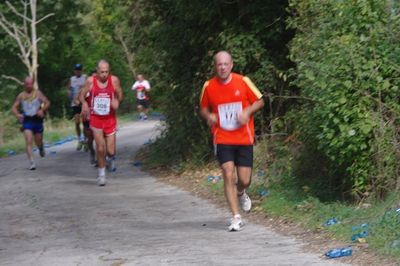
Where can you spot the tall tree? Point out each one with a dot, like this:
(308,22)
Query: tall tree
(25,34)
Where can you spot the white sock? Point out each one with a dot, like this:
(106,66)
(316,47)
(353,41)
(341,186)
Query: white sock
(102,171)
(237,216)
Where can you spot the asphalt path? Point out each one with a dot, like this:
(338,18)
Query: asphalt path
(57,215)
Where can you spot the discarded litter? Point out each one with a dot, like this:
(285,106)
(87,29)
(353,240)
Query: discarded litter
(262,192)
(137,163)
(358,236)
(395,244)
(260,173)
(53,153)
(213,179)
(331,221)
(339,252)
(360,226)
(11,152)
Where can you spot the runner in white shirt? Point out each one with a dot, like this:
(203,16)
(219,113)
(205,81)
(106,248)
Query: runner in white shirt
(142,88)
(74,86)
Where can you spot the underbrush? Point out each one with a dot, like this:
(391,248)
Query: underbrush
(376,223)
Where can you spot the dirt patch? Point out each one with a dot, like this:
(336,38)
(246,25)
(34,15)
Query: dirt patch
(315,241)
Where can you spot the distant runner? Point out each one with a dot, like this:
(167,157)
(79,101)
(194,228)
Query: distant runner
(105,95)
(34,105)
(228,103)
(142,88)
(86,127)
(75,84)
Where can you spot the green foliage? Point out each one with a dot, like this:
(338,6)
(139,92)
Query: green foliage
(182,37)
(347,62)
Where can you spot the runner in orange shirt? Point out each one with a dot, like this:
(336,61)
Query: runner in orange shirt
(228,102)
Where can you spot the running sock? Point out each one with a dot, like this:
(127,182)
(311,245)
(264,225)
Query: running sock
(102,171)
(237,216)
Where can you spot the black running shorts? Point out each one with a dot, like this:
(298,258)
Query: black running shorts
(241,155)
(76,110)
(144,103)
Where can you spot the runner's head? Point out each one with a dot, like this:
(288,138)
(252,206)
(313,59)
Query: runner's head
(103,70)
(223,64)
(78,70)
(140,77)
(28,84)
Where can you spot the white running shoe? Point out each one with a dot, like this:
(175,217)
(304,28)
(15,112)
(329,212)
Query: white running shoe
(236,224)
(32,166)
(101,180)
(245,202)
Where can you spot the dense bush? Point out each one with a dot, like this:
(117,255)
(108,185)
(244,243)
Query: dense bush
(347,63)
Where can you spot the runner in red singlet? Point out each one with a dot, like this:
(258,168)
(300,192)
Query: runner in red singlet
(105,94)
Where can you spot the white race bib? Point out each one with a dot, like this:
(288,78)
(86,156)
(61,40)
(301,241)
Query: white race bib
(141,95)
(101,105)
(228,115)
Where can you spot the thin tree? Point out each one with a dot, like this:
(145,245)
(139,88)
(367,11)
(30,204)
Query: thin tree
(25,35)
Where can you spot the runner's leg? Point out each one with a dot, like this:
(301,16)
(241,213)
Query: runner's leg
(90,139)
(28,134)
(77,121)
(111,150)
(228,173)
(100,147)
(39,143)
(244,178)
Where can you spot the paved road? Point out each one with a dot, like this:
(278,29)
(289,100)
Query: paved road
(57,215)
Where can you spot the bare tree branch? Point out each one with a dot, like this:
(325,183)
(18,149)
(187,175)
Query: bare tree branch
(25,34)
(15,11)
(129,55)
(6,25)
(25,25)
(43,18)
(13,78)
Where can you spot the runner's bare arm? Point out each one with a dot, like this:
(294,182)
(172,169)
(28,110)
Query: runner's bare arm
(244,117)
(118,93)
(69,92)
(15,107)
(211,118)
(45,104)
(85,89)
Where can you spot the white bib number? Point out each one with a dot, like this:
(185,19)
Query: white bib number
(228,115)
(101,105)
(141,95)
